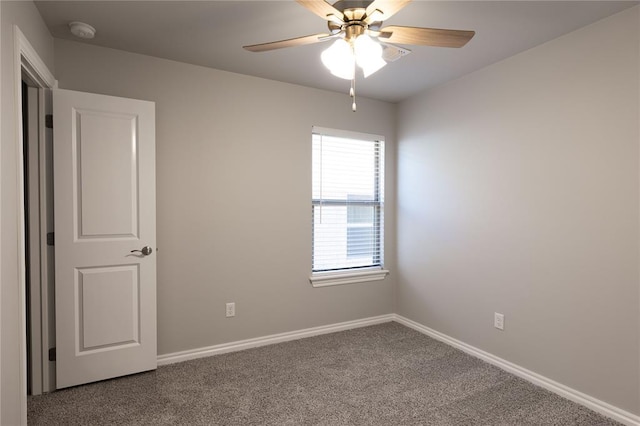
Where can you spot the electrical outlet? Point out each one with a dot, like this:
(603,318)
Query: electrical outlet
(231,309)
(498,321)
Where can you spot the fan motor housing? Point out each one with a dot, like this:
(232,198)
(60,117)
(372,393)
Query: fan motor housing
(343,5)
(351,31)
(354,12)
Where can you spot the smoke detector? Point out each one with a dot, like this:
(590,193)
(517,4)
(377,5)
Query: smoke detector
(82,30)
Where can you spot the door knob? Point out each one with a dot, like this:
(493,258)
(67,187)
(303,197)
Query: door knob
(146,251)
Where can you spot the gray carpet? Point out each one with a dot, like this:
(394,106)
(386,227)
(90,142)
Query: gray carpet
(386,374)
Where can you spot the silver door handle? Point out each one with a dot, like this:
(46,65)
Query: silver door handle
(146,251)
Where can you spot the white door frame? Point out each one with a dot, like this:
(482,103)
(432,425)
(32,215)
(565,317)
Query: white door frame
(27,61)
(39,223)
(32,182)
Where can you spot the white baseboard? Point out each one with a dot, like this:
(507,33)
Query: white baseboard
(590,402)
(269,340)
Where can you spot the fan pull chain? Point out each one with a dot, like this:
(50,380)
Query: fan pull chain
(352,93)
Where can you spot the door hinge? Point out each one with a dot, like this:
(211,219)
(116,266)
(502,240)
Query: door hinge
(48,121)
(52,354)
(51,239)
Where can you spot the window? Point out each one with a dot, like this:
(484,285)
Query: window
(361,234)
(347,207)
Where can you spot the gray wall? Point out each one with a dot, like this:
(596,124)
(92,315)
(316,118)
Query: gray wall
(234,195)
(518,193)
(26,16)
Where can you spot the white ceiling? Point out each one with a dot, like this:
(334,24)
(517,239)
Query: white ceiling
(212,33)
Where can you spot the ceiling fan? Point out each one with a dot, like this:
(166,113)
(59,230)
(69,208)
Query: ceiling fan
(356,25)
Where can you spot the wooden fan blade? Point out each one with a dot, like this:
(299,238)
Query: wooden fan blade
(425,36)
(387,9)
(298,41)
(323,10)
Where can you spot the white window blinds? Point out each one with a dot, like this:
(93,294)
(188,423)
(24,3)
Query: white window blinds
(347,200)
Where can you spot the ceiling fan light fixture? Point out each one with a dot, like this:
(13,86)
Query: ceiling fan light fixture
(368,54)
(342,56)
(339,59)
(356,22)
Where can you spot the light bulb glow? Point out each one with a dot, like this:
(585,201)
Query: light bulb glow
(342,56)
(372,66)
(339,59)
(368,54)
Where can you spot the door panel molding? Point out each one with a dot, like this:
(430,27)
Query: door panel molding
(98,188)
(101,326)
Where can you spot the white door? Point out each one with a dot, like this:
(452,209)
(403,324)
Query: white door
(104,208)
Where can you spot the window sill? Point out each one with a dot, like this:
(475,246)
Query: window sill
(326,279)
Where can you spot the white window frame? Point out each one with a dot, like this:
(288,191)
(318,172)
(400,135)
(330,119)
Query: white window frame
(350,276)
